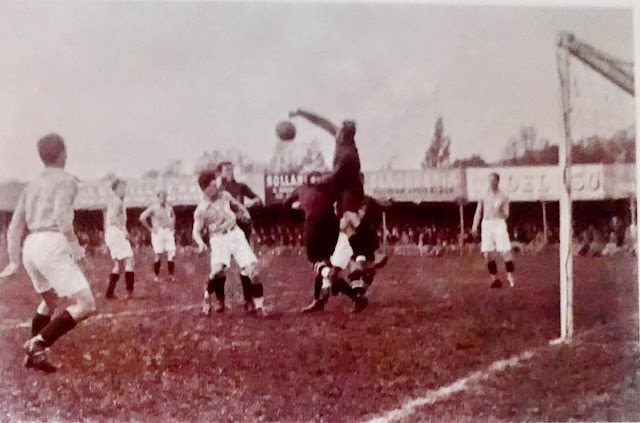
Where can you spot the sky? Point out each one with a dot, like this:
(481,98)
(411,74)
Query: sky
(132,86)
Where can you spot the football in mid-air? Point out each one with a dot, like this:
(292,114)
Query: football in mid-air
(285,130)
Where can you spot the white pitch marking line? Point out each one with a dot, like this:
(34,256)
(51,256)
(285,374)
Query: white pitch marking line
(101,316)
(113,315)
(435,395)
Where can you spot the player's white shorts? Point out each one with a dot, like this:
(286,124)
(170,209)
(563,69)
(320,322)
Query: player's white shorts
(119,245)
(47,258)
(495,236)
(342,253)
(163,241)
(232,243)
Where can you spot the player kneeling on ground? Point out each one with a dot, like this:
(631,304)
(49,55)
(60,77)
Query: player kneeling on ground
(493,210)
(50,252)
(226,240)
(162,228)
(117,240)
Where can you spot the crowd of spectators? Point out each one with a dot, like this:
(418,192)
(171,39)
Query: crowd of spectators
(607,239)
(601,238)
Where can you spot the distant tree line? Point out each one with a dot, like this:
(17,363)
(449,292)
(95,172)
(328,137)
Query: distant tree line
(526,149)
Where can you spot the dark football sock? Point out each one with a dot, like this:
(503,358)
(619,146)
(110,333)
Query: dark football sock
(38,323)
(368,275)
(257,290)
(171,267)
(129,278)
(156,267)
(58,327)
(509,266)
(218,286)
(246,287)
(211,286)
(341,286)
(113,280)
(493,267)
(317,287)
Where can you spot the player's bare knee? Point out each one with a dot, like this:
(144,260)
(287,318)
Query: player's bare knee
(129,264)
(250,270)
(217,270)
(507,256)
(116,266)
(50,300)
(84,306)
(46,309)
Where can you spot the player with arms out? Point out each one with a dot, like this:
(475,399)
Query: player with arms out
(493,211)
(345,183)
(50,252)
(117,239)
(162,228)
(217,213)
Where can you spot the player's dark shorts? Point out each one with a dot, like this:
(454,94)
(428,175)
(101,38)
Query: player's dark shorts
(364,242)
(320,237)
(246,227)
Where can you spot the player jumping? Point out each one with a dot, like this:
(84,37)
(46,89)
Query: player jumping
(215,213)
(50,252)
(345,182)
(117,240)
(162,228)
(493,210)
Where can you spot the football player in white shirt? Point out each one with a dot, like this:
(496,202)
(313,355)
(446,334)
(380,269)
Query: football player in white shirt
(162,228)
(493,211)
(50,252)
(117,239)
(217,212)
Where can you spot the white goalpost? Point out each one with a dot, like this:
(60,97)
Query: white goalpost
(566,224)
(619,73)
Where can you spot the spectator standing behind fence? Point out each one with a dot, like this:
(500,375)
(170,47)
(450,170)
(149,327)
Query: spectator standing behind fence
(617,228)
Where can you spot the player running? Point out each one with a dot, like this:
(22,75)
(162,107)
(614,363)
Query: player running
(117,239)
(162,228)
(493,210)
(217,213)
(50,252)
(345,182)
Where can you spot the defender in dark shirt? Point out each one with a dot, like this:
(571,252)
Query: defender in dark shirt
(240,192)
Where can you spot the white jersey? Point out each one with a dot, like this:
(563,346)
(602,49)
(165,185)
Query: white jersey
(46,204)
(45,208)
(495,205)
(161,216)
(495,211)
